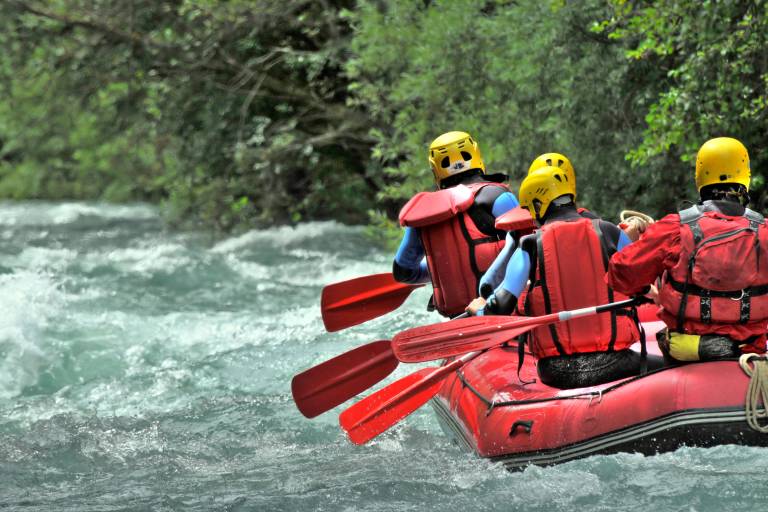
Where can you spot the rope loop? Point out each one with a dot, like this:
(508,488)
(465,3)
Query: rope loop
(625,215)
(757,392)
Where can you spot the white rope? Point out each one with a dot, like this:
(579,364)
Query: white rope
(627,214)
(757,391)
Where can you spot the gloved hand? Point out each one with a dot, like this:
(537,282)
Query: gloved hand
(634,227)
(492,306)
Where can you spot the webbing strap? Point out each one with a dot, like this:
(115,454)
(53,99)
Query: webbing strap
(545,291)
(604,249)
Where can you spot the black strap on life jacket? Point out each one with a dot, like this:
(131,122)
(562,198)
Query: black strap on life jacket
(473,243)
(603,248)
(542,282)
(545,290)
(690,217)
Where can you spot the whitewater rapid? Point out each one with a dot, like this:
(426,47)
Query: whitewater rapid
(148,369)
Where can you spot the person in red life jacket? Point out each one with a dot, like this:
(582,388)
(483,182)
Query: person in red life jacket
(633,227)
(495,273)
(713,259)
(450,236)
(565,261)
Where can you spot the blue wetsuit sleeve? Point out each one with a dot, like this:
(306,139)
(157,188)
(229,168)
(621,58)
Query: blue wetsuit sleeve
(495,273)
(511,287)
(410,257)
(504,203)
(623,241)
(518,268)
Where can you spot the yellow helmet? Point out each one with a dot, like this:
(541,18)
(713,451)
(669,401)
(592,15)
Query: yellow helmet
(554,160)
(453,153)
(722,160)
(541,187)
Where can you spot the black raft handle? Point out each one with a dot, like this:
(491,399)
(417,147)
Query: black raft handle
(526,425)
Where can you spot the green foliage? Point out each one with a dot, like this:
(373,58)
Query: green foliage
(523,78)
(231,112)
(275,111)
(713,55)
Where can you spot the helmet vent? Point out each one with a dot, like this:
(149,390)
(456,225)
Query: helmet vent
(560,163)
(723,177)
(466,156)
(445,162)
(460,144)
(549,162)
(558,178)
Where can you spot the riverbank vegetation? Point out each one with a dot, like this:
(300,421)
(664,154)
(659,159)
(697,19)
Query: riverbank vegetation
(258,112)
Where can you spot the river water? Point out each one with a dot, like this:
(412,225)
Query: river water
(145,369)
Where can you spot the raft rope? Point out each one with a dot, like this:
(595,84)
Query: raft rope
(627,214)
(757,391)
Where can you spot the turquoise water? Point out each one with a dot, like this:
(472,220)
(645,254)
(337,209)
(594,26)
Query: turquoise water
(145,369)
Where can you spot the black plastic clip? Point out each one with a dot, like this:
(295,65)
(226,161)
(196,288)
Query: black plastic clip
(526,425)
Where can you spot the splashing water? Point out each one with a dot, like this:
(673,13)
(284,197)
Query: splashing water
(142,369)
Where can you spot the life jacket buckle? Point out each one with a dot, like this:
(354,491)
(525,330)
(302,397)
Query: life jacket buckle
(743,294)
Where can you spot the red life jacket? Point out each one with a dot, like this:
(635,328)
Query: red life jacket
(458,253)
(571,262)
(720,282)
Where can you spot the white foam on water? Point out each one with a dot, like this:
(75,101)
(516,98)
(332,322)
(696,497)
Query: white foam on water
(121,445)
(36,213)
(249,269)
(148,258)
(41,258)
(28,301)
(282,236)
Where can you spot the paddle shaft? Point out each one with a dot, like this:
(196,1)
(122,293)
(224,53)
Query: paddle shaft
(536,321)
(438,341)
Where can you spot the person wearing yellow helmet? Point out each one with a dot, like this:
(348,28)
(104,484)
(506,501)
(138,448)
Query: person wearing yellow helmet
(633,227)
(565,262)
(555,160)
(714,291)
(450,237)
(495,272)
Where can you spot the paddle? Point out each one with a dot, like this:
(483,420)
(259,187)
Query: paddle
(323,387)
(378,412)
(361,299)
(385,408)
(448,339)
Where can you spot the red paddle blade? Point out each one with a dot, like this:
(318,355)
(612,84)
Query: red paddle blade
(378,412)
(358,300)
(447,339)
(335,381)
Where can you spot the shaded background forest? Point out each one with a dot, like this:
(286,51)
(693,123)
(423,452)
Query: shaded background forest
(240,113)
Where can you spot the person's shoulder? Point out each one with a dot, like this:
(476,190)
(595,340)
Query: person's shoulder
(608,226)
(490,191)
(528,242)
(587,214)
(669,219)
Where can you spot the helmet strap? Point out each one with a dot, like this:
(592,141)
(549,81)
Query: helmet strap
(734,192)
(456,179)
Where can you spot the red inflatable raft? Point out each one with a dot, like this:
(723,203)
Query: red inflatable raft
(487,409)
